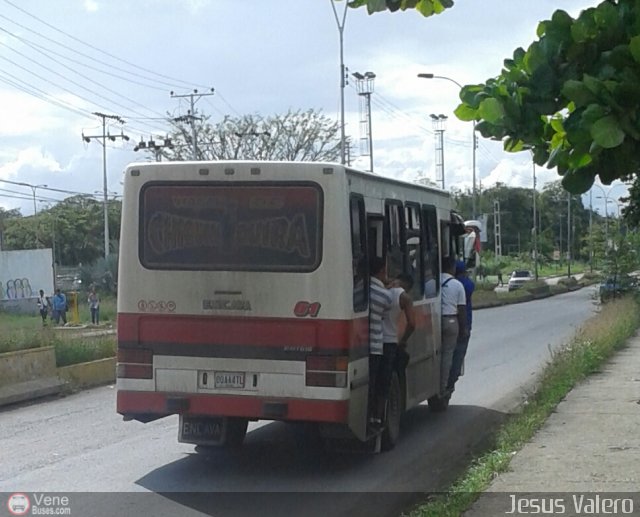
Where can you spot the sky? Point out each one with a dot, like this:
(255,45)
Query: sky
(61,61)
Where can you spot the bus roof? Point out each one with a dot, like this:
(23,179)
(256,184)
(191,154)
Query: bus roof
(320,165)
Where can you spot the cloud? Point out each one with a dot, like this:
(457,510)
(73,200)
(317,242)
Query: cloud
(91,6)
(28,160)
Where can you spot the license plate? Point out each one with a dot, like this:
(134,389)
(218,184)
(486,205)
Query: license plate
(221,380)
(201,430)
(228,379)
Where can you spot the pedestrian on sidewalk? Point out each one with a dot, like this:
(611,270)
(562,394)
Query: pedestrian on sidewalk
(500,278)
(59,307)
(43,306)
(94,306)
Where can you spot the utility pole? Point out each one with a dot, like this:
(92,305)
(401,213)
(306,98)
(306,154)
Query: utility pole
(191,115)
(534,231)
(568,234)
(474,194)
(496,228)
(590,231)
(103,138)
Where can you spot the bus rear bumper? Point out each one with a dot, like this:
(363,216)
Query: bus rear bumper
(147,406)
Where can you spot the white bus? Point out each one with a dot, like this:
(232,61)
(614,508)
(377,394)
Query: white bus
(243,294)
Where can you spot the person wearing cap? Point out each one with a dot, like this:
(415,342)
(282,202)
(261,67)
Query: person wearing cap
(454,317)
(471,242)
(462,342)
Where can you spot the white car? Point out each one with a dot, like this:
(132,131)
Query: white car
(518,278)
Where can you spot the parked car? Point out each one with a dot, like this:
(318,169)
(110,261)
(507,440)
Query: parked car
(616,285)
(518,278)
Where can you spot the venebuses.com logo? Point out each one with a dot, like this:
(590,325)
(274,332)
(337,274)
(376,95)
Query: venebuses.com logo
(18,504)
(37,503)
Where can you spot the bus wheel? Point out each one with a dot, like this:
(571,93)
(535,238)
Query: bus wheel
(391,431)
(439,403)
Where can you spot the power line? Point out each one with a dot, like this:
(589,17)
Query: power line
(42,95)
(112,56)
(58,74)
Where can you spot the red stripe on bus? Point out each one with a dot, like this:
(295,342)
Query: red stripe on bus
(266,332)
(139,402)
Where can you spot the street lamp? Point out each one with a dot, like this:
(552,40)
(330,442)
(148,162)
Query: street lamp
(364,85)
(33,190)
(606,197)
(473,141)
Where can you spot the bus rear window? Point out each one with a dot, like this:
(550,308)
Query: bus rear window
(233,227)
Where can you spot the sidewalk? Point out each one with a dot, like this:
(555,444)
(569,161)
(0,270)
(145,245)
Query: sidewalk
(591,443)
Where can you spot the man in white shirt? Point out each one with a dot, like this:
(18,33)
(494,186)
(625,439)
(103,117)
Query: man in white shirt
(454,317)
(43,306)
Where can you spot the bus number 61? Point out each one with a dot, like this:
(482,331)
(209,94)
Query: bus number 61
(303,309)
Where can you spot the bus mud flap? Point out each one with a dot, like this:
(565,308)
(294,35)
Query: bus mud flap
(358,404)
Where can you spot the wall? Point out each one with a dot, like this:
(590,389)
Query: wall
(23,273)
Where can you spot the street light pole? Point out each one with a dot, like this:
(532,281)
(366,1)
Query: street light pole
(439,123)
(473,141)
(343,76)
(33,189)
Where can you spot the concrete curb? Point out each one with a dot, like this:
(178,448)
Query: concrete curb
(85,375)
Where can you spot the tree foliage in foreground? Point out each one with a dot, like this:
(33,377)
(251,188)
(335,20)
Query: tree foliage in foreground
(572,97)
(424,7)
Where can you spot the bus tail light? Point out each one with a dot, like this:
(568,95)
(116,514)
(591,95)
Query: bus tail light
(134,363)
(327,371)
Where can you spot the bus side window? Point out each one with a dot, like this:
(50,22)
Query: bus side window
(430,251)
(359,254)
(446,241)
(394,237)
(413,236)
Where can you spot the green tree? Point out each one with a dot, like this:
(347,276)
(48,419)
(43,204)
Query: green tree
(74,228)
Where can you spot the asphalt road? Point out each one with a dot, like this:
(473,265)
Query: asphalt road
(79,444)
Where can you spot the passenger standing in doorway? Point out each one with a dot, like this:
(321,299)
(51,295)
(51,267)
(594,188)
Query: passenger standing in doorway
(454,317)
(463,338)
(379,305)
(395,346)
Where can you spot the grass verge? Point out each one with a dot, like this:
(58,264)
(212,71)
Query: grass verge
(84,350)
(592,345)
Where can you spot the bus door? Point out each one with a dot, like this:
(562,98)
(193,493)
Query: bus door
(359,388)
